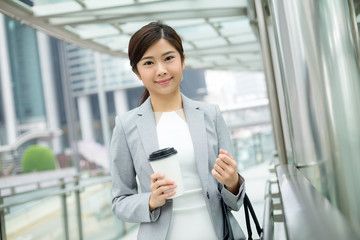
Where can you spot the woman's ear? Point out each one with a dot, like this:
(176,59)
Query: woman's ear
(137,73)
(183,62)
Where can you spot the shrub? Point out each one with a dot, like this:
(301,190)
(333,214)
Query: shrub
(38,158)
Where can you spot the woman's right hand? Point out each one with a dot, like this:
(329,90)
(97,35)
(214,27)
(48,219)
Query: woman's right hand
(160,185)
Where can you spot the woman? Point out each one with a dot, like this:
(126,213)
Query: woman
(166,118)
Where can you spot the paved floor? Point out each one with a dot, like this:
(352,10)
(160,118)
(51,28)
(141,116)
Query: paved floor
(255,178)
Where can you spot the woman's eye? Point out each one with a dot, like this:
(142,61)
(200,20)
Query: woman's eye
(147,63)
(169,58)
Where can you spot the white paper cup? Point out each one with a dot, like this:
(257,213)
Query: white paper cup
(166,161)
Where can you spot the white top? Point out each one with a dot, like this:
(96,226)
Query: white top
(190,218)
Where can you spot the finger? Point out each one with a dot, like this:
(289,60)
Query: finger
(169,194)
(163,182)
(229,169)
(155,176)
(217,176)
(226,170)
(164,189)
(226,153)
(228,160)
(222,164)
(164,192)
(222,151)
(222,172)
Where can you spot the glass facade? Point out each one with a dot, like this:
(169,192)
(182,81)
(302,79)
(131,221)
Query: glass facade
(25,71)
(2,126)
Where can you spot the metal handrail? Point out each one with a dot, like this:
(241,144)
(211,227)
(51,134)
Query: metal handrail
(55,193)
(70,178)
(38,184)
(308,214)
(268,221)
(39,181)
(62,193)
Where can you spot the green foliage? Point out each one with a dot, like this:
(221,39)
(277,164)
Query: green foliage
(38,158)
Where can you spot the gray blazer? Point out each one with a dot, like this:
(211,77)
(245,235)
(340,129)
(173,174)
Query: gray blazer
(134,138)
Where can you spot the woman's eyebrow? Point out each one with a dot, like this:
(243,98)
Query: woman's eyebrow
(147,57)
(168,52)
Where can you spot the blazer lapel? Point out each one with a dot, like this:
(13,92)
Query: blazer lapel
(196,123)
(147,127)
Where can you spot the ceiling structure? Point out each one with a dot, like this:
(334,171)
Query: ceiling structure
(216,34)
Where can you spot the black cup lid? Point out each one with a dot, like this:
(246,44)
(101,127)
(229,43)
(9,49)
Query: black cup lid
(162,153)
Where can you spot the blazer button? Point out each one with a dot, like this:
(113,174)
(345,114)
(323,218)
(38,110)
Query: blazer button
(207,195)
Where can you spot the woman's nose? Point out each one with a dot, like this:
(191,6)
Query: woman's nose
(161,70)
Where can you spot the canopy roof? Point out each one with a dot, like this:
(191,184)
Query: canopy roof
(216,34)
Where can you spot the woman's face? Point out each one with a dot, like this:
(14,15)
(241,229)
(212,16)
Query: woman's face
(161,68)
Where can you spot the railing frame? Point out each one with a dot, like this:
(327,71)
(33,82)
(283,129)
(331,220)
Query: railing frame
(307,213)
(62,193)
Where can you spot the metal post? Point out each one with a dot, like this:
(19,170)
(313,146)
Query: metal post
(262,152)
(2,222)
(354,29)
(270,82)
(6,86)
(102,101)
(64,210)
(69,106)
(78,209)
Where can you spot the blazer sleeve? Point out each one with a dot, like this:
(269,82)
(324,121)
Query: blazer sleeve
(234,202)
(127,203)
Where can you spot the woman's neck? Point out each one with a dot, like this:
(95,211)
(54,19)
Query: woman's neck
(166,103)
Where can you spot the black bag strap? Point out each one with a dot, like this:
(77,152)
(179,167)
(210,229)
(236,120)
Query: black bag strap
(247,207)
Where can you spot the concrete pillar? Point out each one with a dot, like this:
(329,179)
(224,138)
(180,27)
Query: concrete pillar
(121,101)
(6,86)
(48,81)
(104,116)
(85,117)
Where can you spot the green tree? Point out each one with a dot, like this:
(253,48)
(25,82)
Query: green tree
(38,158)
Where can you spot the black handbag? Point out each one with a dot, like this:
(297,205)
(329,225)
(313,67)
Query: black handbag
(228,233)
(247,207)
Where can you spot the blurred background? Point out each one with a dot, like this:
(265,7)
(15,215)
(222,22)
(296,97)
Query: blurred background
(285,75)
(59,102)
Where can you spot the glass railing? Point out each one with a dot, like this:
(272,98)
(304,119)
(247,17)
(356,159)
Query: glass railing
(253,149)
(65,209)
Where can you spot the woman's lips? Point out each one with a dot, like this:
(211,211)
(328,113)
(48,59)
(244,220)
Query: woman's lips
(163,82)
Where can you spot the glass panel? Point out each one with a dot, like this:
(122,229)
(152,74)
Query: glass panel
(95,30)
(215,58)
(244,38)
(131,27)
(205,43)
(246,57)
(197,32)
(187,46)
(115,43)
(97,217)
(34,219)
(44,2)
(91,4)
(253,148)
(235,27)
(185,22)
(25,71)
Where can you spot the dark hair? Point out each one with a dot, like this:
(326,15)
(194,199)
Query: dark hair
(144,38)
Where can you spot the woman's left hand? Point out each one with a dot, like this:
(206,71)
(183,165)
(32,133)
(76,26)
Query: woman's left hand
(225,171)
